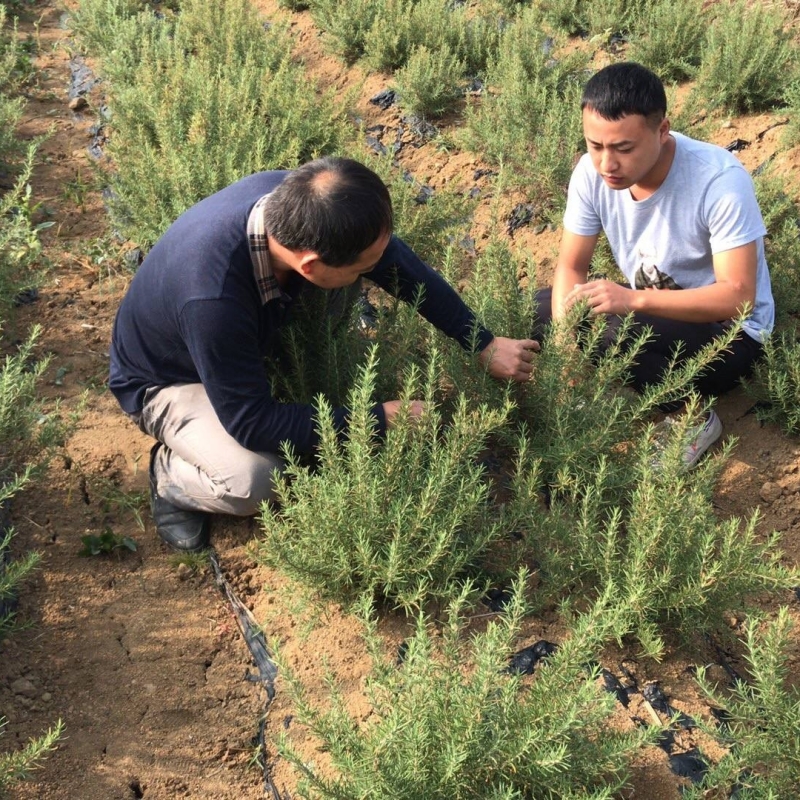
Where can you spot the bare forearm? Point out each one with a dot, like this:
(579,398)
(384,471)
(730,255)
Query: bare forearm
(564,280)
(713,303)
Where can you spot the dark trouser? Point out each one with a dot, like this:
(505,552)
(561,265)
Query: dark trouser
(723,375)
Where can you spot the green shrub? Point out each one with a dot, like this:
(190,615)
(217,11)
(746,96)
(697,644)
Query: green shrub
(776,382)
(18,765)
(576,17)
(394,34)
(430,83)
(760,723)
(530,118)
(403,520)
(19,240)
(96,23)
(451,722)
(792,135)
(346,23)
(14,72)
(748,59)
(669,38)
(782,243)
(614,16)
(403,26)
(217,100)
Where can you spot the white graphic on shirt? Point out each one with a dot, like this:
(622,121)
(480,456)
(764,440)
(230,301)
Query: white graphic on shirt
(648,275)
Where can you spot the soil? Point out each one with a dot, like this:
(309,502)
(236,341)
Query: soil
(139,655)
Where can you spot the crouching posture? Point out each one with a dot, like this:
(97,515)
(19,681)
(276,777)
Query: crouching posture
(684,227)
(206,307)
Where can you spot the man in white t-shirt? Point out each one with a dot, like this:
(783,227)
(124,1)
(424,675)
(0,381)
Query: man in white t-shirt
(684,227)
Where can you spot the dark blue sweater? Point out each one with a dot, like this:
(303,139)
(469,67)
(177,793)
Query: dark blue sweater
(193,314)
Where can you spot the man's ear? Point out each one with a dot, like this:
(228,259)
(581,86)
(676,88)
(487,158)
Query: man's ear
(664,128)
(308,262)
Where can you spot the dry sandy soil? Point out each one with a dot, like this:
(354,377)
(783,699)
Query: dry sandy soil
(139,656)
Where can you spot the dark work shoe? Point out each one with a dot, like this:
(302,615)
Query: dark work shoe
(181,529)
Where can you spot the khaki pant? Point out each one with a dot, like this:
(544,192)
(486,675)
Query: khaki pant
(202,467)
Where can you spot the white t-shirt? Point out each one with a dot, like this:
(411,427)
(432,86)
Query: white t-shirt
(706,205)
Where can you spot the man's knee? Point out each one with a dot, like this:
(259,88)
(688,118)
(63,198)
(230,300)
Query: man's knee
(254,484)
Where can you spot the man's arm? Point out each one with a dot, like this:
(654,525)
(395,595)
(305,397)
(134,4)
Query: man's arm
(574,257)
(733,290)
(401,272)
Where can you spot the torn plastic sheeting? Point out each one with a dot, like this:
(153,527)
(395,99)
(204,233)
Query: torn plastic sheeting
(82,79)
(690,764)
(521,215)
(384,99)
(420,128)
(524,661)
(654,695)
(736,145)
(497,599)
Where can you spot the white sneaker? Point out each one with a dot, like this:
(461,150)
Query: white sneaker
(703,436)
(699,438)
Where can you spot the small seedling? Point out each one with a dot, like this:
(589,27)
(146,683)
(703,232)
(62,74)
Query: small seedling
(197,562)
(107,542)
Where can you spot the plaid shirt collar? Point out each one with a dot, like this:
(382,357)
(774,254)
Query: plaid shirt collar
(257,241)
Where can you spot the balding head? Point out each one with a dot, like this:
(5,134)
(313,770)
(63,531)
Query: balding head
(335,207)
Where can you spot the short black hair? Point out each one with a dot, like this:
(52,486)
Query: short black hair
(625,88)
(335,207)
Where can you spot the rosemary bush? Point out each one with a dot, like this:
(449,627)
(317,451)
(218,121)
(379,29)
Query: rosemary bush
(96,23)
(404,520)
(20,247)
(777,381)
(212,99)
(782,244)
(346,24)
(748,58)
(760,722)
(532,116)
(792,135)
(669,38)
(430,83)
(13,73)
(452,723)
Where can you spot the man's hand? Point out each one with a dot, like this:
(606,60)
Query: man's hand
(602,297)
(509,358)
(391,407)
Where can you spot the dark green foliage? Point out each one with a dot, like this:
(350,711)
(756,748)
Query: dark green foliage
(20,247)
(403,521)
(748,59)
(792,135)
(15,70)
(451,723)
(669,38)
(760,727)
(106,543)
(594,16)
